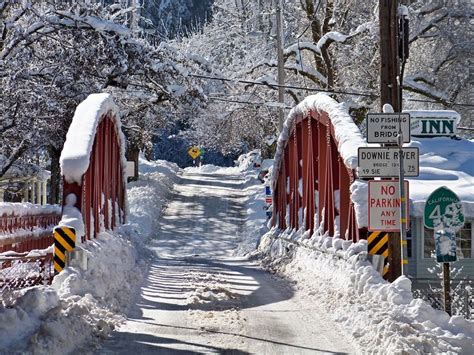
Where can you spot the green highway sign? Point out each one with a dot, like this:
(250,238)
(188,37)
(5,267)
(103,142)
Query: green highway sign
(443,210)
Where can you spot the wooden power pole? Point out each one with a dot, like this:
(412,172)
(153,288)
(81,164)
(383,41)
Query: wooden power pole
(281,64)
(390,94)
(389,62)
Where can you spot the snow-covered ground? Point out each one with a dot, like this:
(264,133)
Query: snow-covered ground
(192,280)
(200,296)
(82,307)
(381,317)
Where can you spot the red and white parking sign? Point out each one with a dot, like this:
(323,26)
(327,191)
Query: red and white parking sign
(384,205)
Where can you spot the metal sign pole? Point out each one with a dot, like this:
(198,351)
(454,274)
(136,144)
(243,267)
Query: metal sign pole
(403,217)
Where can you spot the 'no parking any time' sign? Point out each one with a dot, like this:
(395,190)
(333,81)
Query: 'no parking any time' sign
(384,205)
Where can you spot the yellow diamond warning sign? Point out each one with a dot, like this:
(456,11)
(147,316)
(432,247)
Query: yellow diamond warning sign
(194,152)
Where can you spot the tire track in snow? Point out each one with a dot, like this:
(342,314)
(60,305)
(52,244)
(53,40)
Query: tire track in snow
(199,298)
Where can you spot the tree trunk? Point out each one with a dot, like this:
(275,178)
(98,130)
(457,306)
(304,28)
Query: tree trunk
(55,181)
(315,33)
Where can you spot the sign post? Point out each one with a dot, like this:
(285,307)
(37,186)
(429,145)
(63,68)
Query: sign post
(443,213)
(391,160)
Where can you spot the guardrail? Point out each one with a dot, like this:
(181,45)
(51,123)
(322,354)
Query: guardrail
(24,233)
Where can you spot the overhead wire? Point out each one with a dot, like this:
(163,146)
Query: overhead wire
(274,86)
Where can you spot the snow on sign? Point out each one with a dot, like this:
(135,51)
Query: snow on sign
(384,127)
(384,162)
(443,213)
(384,205)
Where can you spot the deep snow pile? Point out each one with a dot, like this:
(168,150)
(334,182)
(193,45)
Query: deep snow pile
(381,317)
(82,307)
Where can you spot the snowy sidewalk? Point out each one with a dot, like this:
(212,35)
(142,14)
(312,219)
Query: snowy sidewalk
(199,298)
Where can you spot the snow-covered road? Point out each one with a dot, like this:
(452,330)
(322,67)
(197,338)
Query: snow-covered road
(199,298)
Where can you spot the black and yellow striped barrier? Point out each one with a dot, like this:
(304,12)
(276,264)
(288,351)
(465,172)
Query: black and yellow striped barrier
(64,241)
(378,245)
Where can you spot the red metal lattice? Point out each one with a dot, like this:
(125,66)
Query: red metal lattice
(311,171)
(102,182)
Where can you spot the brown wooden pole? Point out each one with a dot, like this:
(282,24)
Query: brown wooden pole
(447,288)
(389,94)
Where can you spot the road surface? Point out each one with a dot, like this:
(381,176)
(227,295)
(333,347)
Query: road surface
(199,298)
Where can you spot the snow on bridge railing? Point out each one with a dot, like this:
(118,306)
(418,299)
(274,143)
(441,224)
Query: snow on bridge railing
(93,166)
(25,244)
(315,165)
(26,226)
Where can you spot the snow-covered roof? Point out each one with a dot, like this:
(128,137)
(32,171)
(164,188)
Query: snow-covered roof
(347,134)
(443,162)
(76,152)
(24,171)
(435,114)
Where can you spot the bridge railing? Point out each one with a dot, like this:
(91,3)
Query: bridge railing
(314,167)
(25,226)
(93,166)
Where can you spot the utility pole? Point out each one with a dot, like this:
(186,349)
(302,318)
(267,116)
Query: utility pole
(389,62)
(281,64)
(390,94)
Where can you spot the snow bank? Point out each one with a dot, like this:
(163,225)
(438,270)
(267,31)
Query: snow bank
(381,317)
(84,306)
(80,137)
(347,134)
(244,163)
(149,195)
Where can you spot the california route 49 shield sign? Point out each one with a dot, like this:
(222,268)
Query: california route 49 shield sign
(443,213)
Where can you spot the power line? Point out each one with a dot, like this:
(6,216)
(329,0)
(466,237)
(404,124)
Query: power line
(275,86)
(268,104)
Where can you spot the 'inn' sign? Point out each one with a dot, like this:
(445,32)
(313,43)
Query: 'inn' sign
(433,123)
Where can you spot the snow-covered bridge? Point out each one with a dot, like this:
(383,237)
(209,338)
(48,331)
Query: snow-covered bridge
(194,276)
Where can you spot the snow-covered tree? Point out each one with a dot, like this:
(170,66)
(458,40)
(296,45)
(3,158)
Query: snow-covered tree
(330,45)
(53,55)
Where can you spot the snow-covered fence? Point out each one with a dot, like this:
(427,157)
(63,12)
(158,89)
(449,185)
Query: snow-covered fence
(22,270)
(25,226)
(93,166)
(314,167)
(25,239)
